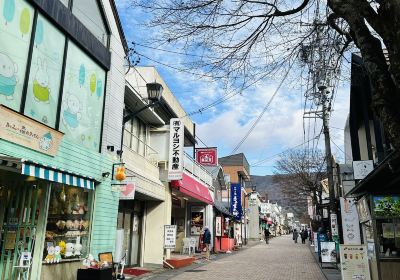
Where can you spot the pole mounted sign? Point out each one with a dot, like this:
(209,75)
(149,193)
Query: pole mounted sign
(176,142)
(207,156)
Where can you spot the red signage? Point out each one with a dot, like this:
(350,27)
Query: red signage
(207,156)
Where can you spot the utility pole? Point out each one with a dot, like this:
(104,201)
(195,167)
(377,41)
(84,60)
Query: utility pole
(328,152)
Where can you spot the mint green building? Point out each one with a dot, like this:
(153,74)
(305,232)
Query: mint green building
(61,106)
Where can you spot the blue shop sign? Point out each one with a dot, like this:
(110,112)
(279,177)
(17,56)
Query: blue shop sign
(236,201)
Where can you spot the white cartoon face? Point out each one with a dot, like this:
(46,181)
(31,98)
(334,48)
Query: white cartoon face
(72,104)
(45,142)
(7,67)
(57,250)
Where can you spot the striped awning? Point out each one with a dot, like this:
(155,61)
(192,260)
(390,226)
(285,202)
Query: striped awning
(56,175)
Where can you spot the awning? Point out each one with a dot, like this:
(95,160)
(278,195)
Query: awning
(56,175)
(193,188)
(221,208)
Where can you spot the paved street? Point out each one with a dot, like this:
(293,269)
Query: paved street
(279,260)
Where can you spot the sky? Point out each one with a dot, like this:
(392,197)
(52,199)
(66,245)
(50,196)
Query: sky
(223,126)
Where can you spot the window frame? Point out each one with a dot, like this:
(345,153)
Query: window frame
(43,10)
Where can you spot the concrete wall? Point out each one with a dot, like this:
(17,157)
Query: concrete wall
(253,225)
(156,216)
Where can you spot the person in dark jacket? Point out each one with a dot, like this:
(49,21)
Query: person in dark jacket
(266,234)
(304,235)
(295,235)
(207,241)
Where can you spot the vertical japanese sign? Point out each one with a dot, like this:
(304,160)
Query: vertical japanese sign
(334,225)
(350,221)
(218,226)
(176,142)
(236,201)
(354,262)
(169,236)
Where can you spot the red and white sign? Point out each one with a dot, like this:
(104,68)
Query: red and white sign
(127,191)
(207,156)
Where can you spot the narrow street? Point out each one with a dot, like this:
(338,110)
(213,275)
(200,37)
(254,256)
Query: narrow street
(279,260)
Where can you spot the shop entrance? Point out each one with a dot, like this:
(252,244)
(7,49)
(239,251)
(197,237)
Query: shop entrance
(130,215)
(22,206)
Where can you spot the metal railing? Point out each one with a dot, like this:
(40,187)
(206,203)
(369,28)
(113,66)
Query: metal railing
(197,171)
(141,148)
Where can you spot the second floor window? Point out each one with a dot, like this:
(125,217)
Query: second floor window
(135,136)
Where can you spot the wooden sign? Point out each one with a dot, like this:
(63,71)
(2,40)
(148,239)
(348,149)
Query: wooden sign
(29,133)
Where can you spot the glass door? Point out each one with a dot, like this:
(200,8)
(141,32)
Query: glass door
(21,203)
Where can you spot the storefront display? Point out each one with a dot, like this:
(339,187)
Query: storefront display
(68,223)
(197,220)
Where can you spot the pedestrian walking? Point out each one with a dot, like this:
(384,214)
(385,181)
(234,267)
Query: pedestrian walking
(304,235)
(266,234)
(295,235)
(207,241)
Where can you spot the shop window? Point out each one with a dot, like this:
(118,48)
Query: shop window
(89,13)
(82,103)
(45,73)
(16,17)
(68,223)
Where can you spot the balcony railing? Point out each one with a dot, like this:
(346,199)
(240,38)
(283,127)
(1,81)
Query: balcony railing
(197,171)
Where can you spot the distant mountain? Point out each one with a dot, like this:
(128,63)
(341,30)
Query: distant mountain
(265,185)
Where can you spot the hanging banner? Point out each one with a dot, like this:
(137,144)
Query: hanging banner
(127,191)
(354,262)
(218,226)
(328,252)
(350,221)
(176,143)
(207,156)
(334,225)
(169,236)
(236,201)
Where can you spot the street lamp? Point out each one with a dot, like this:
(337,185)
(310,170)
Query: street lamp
(154,92)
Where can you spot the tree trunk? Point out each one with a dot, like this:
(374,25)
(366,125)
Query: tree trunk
(385,93)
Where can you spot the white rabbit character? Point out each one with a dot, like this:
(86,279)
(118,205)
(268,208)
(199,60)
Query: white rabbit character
(41,90)
(8,76)
(71,114)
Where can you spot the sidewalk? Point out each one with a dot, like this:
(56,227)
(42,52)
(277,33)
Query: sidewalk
(164,273)
(330,271)
(278,260)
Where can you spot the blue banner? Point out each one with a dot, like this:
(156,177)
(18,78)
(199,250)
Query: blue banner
(236,201)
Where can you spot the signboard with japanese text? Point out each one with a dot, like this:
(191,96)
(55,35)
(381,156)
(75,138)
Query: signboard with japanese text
(29,133)
(354,262)
(236,201)
(328,252)
(350,221)
(362,168)
(169,236)
(218,226)
(176,143)
(334,225)
(207,156)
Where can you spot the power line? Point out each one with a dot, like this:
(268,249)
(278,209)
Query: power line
(263,111)
(284,151)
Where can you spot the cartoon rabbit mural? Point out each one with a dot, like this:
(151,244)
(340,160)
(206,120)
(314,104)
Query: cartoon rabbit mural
(41,90)
(71,111)
(8,77)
